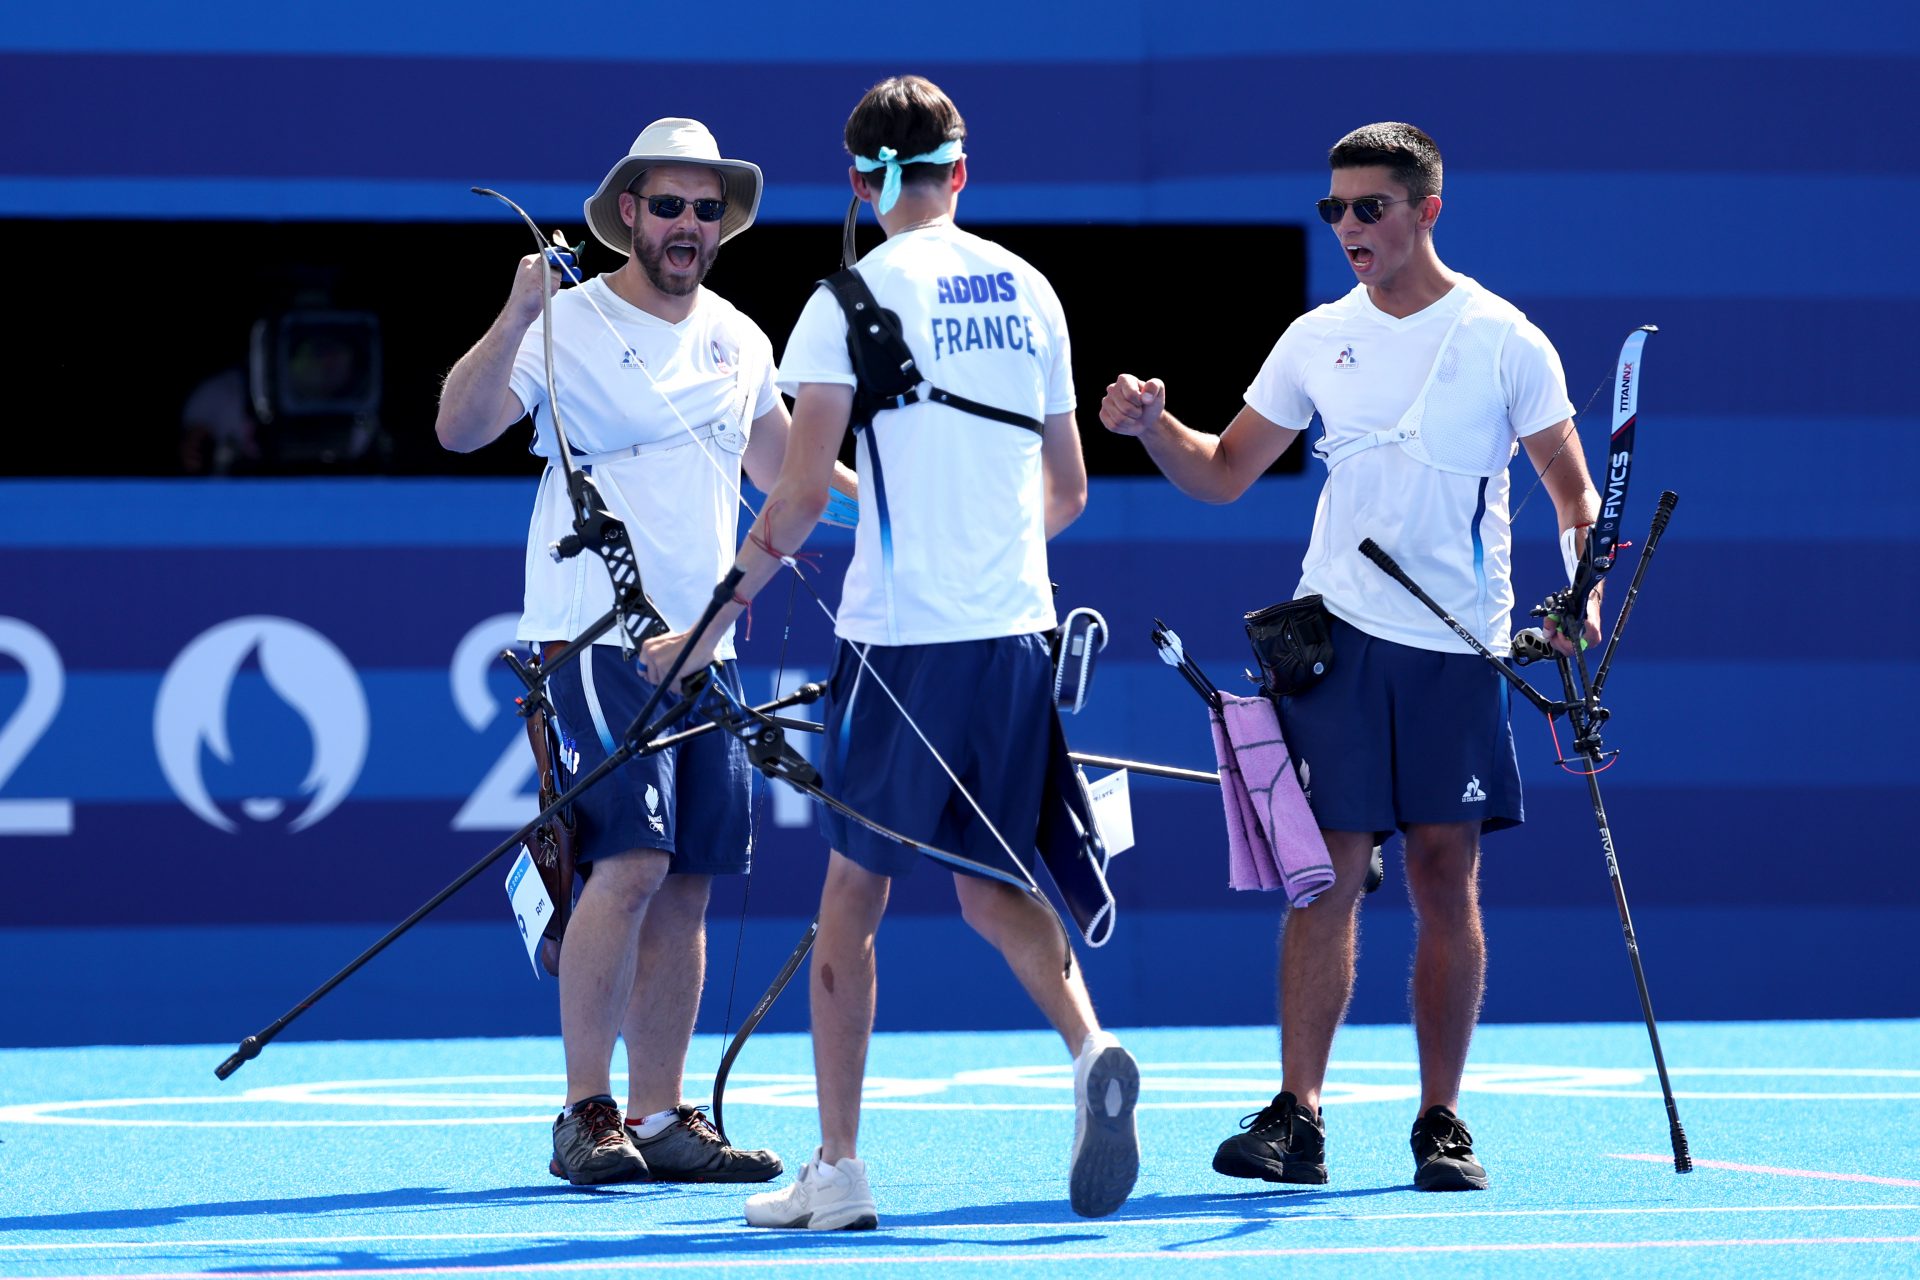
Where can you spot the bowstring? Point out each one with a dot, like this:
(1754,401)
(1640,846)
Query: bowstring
(746,894)
(1572,434)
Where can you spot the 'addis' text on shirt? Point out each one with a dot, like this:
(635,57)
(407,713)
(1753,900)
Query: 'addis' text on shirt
(952,334)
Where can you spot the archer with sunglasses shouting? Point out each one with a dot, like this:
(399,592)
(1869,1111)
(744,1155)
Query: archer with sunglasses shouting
(668,395)
(1424,382)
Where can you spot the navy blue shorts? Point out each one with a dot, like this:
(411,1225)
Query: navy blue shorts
(693,802)
(1396,735)
(985,705)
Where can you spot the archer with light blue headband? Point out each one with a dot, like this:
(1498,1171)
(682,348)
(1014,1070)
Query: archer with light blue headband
(946,358)
(950,152)
(946,153)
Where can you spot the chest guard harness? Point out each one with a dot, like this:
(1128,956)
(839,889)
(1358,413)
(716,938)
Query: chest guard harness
(1459,422)
(889,377)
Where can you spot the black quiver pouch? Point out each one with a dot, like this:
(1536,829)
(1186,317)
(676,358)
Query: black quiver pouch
(1293,644)
(886,375)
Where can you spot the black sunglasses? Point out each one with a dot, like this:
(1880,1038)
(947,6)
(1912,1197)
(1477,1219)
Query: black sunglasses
(1366,208)
(671,207)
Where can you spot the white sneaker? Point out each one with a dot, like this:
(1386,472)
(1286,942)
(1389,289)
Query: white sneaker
(1106,1149)
(825,1197)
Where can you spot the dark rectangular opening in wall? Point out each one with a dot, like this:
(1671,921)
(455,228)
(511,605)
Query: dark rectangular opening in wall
(137,362)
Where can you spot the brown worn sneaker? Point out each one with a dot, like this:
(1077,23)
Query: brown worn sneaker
(591,1146)
(1443,1154)
(692,1150)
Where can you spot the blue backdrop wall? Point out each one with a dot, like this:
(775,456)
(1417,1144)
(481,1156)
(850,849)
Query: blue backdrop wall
(1732,181)
(249,724)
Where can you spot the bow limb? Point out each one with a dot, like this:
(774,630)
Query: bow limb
(768,751)
(1625,408)
(594,527)
(752,1021)
(770,754)
(1626,414)
(549,252)
(959,862)
(1603,545)
(793,962)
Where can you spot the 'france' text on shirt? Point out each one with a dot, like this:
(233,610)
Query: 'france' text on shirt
(952,334)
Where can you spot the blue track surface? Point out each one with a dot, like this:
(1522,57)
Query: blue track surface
(412,1157)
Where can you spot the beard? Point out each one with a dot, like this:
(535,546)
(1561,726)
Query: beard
(675,282)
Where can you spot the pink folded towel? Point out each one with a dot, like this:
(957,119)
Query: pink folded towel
(1272,840)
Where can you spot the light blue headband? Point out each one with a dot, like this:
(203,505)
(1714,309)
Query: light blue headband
(946,153)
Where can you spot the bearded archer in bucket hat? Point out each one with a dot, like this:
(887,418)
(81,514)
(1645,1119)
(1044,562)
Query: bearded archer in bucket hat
(665,411)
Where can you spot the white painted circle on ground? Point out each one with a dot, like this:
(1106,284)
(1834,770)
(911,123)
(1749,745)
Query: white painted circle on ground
(1170,1086)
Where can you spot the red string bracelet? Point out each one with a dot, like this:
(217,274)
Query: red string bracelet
(765,544)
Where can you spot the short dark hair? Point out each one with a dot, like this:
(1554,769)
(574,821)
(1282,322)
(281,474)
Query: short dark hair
(911,115)
(1409,153)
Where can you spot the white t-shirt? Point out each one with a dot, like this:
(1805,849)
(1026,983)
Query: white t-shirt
(952,541)
(712,372)
(1360,369)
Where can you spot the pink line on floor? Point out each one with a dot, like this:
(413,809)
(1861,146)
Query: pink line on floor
(1784,1173)
(843,1259)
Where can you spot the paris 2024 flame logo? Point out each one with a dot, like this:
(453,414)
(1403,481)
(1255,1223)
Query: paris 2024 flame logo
(305,671)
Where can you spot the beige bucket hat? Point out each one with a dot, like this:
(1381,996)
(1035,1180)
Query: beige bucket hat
(674,140)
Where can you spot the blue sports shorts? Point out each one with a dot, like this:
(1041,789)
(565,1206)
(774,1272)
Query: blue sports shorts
(693,802)
(985,705)
(1395,735)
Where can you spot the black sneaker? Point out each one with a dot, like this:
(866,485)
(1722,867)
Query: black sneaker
(1283,1142)
(1443,1154)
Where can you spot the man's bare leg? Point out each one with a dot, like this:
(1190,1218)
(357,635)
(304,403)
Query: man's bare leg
(1317,950)
(1106,1079)
(668,974)
(1025,934)
(597,964)
(843,980)
(1450,956)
